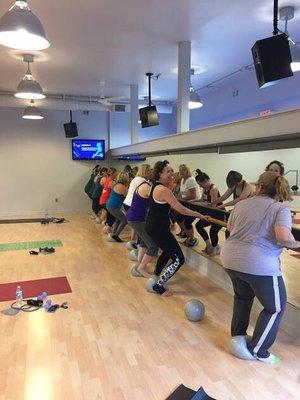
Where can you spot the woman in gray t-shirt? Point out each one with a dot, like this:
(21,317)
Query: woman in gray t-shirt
(260,227)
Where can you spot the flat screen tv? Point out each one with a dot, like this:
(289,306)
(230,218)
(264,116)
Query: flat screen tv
(85,149)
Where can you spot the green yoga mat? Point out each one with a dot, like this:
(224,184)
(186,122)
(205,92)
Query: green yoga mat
(29,245)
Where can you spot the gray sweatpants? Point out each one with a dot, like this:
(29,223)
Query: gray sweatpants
(271,293)
(145,240)
(120,222)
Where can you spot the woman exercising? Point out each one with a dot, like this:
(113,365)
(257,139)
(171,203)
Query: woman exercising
(209,195)
(189,191)
(260,227)
(161,200)
(238,187)
(108,183)
(136,217)
(114,205)
(276,166)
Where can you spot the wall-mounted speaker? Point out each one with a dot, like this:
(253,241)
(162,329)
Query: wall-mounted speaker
(272,59)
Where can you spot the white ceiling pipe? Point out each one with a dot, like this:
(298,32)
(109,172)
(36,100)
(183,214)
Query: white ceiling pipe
(51,103)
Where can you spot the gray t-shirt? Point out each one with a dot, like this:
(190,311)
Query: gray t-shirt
(252,247)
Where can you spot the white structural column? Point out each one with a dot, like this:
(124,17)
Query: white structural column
(184,78)
(134,116)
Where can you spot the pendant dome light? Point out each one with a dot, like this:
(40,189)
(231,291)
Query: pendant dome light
(32,112)
(29,88)
(21,29)
(195,101)
(286,14)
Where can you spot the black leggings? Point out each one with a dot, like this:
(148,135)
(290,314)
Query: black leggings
(96,206)
(164,239)
(213,232)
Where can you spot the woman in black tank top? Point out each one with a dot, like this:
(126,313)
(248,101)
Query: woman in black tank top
(210,194)
(161,200)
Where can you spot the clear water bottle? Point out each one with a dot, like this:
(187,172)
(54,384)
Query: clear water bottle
(46,215)
(19,297)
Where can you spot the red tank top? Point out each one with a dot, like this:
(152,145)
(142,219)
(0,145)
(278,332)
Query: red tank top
(207,195)
(106,190)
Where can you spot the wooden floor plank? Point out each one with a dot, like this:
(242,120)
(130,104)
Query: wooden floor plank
(116,341)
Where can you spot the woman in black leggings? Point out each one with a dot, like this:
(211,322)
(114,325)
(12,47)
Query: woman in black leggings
(209,195)
(161,200)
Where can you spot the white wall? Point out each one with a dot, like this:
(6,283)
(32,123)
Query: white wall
(251,165)
(36,164)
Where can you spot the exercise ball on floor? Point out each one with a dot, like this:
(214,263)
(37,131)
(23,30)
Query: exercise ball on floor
(237,346)
(134,255)
(131,245)
(150,283)
(194,310)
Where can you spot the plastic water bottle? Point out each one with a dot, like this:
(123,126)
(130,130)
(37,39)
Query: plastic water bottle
(19,297)
(46,215)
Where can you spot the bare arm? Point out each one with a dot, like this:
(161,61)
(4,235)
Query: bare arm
(225,196)
(191,196)
(285,238)
(166,195)
(244,195)
(214,194)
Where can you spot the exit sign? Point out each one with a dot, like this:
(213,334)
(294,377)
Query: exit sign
(264,113)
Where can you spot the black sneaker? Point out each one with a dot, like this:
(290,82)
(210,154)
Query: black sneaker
(117,239)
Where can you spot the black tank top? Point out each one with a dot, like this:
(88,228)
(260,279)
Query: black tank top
(158,212)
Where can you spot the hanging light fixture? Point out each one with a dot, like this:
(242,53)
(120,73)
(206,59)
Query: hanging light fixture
(295,53)
(286,14)
(195,101)
(29,88)
(32,112)
(21,29)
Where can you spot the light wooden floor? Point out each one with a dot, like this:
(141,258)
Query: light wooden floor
(116,341)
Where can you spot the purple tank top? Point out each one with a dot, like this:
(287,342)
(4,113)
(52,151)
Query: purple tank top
(138,209)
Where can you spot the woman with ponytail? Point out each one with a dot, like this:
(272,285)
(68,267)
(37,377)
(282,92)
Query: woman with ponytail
(260,227)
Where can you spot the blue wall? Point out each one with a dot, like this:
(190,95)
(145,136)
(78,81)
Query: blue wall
(120,129)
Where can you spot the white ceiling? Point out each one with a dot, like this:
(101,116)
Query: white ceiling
(119,40)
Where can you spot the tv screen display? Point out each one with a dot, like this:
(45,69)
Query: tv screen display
(88,149)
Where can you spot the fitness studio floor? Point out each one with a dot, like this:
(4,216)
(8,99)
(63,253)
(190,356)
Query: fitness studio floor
(116,341)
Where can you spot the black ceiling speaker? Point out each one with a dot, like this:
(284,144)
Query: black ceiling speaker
(272,56)
(272,59)
(149,115)
(70,128)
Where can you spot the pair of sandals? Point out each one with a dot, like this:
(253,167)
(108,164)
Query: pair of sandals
(44,250)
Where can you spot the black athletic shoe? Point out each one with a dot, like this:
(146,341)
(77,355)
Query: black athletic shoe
(117,239)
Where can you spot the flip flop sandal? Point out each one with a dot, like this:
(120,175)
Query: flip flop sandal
(33,252)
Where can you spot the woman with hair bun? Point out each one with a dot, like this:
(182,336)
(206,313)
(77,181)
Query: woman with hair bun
(260,227)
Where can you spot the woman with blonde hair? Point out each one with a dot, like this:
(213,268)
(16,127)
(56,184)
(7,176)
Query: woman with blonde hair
(189,191)
(114,205)
(260,227)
